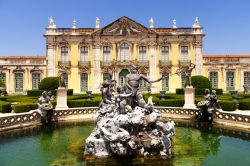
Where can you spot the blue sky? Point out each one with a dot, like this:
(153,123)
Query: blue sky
(226,22)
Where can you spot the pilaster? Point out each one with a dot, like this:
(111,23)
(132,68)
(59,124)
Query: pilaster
(97,69)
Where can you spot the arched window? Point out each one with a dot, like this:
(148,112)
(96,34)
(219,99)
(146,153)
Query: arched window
(143,83)
(106,54)
(213,77)
(84,54)
(64,54)
(124,52)
(142,53)
(84,82)
(247,78)
(164,53)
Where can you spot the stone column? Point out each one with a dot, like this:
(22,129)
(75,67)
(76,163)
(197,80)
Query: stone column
(61,98)
(152,66)
(97,69)
(189,98)
(198,57)
(51,60)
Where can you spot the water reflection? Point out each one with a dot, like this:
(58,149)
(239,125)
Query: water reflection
(62,144)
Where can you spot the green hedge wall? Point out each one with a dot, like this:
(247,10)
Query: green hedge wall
(83,103)
(5,107)
(172,103)
(49,83)
(25,107)
(227,105)
(244,104)
(33,93)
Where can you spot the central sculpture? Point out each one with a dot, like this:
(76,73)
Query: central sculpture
(128,126)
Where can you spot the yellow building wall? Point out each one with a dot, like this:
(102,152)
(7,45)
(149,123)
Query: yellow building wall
(174,80)
(91,75)
(74,78)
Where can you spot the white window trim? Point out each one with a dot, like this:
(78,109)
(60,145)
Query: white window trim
(119,50)
(188,56)
(169,56)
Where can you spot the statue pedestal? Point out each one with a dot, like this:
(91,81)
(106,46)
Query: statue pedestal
(61,98)
(189,97)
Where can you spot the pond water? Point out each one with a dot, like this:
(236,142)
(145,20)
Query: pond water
(62,144)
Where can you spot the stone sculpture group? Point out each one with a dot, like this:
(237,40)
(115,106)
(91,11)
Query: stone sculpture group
(128,126)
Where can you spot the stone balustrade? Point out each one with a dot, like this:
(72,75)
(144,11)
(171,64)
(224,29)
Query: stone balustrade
(11,121)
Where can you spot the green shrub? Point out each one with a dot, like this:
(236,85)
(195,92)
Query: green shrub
(218,91)
(172,103)
(25,107)
(179,91)
(201,82)
(227,105)
(83,103)
(244,104)
(69,91)
(49,83)
(34,92)
(5,107)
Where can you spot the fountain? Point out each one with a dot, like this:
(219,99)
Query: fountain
(128,126)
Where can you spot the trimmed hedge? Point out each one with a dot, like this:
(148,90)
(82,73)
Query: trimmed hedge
(25,107)
(172,103)
(5,107)
(179,91)
(218,91)
(244,104)
(49,83)
(35,93)
(227,105)
(200,82)
(83,103)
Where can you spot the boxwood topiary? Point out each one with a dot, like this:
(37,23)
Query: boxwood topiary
(179,91)
(25,107)
(244,104)
(49,83)
(172,103)
(227,105)
(83,103)
(5,107)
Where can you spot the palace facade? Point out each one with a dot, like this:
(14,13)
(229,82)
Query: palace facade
(88,56)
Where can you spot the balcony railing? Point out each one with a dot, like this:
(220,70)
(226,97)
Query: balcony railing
(107,63)
(85,64)
(184,63)
(64,63)
(165,63)
(141,63)
(123,62)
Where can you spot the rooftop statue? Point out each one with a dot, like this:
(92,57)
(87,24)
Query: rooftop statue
(126,125)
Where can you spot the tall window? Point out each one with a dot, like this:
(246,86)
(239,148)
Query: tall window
(142,53)
(164,53)
(36,78)
(165,81)
(247,78)
(64,54)
(106,76)
(184,53)
(84,54)
(230,80)
(143,83)
(65,79)
(18,82)
(106,54)
(84,82)
(124,52)
(3,77)
(213,77)
(183,80)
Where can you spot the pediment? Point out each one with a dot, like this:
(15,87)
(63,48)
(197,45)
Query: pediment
(124,26)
